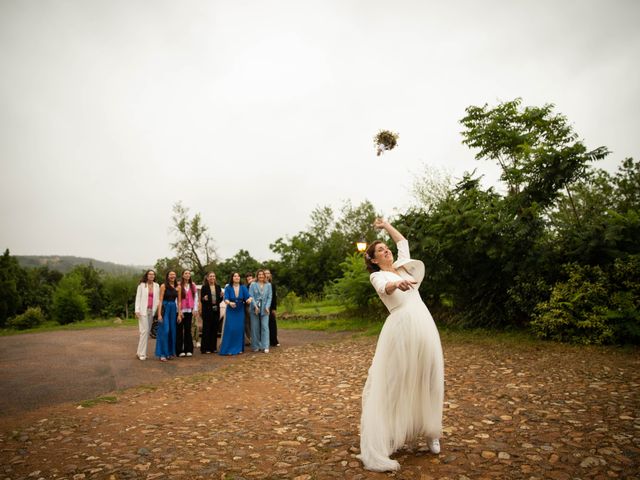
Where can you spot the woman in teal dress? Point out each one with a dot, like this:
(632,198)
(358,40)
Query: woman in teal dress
(235,296)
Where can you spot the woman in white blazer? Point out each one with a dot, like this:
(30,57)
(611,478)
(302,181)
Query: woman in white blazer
(147,299)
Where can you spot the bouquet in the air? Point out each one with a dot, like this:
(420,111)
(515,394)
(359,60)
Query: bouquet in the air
(385,140)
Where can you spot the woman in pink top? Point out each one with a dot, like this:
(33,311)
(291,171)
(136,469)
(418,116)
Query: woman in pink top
(187,306)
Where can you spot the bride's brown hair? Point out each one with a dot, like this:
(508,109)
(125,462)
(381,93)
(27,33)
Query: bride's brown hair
(368,257)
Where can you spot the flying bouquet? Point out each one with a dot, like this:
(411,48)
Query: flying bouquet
(385,140)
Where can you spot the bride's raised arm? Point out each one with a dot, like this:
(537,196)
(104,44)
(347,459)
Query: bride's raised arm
(381,224)
(396,236)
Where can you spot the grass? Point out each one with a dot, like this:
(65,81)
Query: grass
(95,401)
(372,326)
(52,326)
(366,326)
(323,307)
(313,316)
(322,315)
(485,335)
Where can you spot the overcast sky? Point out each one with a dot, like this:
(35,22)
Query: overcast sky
(255,112)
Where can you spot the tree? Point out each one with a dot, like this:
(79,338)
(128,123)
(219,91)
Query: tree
(92,283)
(430,187)
(69,303)
(311,259)
(355,223)
(600,221)
(353,288)
(241,262)
(488,254)
(121,293)
(194,246)
(11,281)
(471,245)
(537,150)
(41,283)
(166,265)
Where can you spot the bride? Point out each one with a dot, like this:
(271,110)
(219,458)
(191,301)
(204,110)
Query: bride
(403,395)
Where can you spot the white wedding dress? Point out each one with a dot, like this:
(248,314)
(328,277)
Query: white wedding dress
(403,395)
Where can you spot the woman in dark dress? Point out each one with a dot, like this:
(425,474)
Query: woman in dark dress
(210,299)
(235,297)
(167,317)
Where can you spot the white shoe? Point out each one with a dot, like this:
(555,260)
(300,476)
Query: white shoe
(189,354)
(142,357)
(182,354)
(434,445)
(266,350)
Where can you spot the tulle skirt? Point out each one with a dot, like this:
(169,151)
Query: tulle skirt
(403,395)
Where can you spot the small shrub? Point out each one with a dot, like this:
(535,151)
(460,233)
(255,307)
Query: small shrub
(594,305)
(624,309)
(69,304)
(290,302)
(353,288)
(577,309)
(32,318)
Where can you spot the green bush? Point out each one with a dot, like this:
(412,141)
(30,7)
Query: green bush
(353,288)
(577,309)
(624,309)
(290,302)
(69,304)
(29,319)
(593,306)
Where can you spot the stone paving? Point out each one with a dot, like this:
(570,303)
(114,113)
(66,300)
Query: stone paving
(530,411)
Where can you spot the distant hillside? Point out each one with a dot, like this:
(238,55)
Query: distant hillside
(64,263)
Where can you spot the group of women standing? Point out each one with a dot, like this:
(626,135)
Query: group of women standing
(174,304)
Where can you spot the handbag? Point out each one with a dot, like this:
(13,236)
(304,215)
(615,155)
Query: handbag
(153,332)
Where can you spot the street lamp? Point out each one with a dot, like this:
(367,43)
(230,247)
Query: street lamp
(361,246)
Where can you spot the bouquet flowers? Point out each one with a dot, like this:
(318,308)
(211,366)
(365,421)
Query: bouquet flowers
(385,140)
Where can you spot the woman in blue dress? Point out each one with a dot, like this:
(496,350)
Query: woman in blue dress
(235,296)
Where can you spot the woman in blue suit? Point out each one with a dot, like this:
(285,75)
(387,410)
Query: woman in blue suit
(261,294)
(235,296)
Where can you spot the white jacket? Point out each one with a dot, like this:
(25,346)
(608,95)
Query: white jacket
(142,298)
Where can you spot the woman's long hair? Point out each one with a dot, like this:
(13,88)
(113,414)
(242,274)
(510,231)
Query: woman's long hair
(192,286)
(231,278)
(145,276)
(166,280)
(206,279)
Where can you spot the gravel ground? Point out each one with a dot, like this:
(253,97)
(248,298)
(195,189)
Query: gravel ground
(531,411)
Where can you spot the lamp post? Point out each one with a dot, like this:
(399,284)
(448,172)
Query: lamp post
(361,246)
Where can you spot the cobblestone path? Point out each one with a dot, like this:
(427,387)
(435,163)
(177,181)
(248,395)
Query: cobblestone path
(531,411)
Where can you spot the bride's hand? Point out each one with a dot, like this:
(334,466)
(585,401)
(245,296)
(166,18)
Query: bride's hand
(379,223)
(405,285)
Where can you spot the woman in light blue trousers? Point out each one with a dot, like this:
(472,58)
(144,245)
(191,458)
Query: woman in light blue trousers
(261,292)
